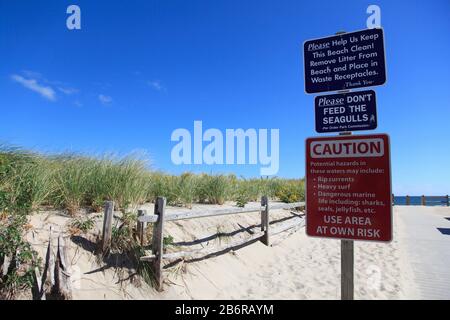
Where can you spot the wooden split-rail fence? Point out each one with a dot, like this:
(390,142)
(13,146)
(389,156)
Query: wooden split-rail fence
(427,200)
(159,218)
(423,200)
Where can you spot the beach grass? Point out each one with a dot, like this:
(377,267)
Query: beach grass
(70,181)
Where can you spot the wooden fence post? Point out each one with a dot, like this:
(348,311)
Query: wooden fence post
(265,220)
(141,226)
(40,292)
(423,201)
(408,200)
(157,242)
(448,204)
(51,259)
(6,264)
(107,226)
(63,274)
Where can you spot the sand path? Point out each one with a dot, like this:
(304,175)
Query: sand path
(300,267)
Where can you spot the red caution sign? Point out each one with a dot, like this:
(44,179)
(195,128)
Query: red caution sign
(348,187)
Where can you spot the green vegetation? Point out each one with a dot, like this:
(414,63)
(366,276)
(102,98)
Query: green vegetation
(23,259)
(213,189)
(23,183)
(122,235)
(70,181)
(168,241)
(124,242)
(291,191)
(30,181)
(83,225)
(82,181)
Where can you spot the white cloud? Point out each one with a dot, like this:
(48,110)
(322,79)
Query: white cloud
(156,84)
(32,84)
(67,91)
(104,99)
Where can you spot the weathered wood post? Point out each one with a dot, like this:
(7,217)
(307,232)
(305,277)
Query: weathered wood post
(347,262)
(51,259)
(393,200)
(141,226)
(40,292)
(408,200)
(6,263)
(107,226)
(157,242)
(265,220)
(63,273)
(423,201)
(448,204)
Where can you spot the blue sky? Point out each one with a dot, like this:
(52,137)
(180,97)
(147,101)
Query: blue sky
(137,70)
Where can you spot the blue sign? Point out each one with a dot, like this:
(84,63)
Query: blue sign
(352,111)
(347,61)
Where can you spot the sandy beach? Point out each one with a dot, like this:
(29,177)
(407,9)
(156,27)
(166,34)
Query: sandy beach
(413,266)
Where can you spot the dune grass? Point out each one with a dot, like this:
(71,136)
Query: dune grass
(25,182)
(82,181)
(30,181)
(70,181)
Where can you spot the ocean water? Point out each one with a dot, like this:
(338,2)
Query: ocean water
(417,201)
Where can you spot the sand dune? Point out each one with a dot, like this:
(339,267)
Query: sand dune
(297,267)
